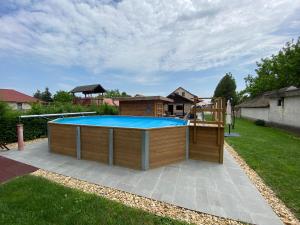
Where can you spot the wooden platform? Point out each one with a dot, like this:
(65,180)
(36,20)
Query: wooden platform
(206,146)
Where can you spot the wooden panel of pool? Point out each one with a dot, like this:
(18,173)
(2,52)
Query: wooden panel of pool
(164,146)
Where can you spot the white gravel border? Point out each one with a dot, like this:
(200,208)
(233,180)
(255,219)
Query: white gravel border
(277,205)
(149,205)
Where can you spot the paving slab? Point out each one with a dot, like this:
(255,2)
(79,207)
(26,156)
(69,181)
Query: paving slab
(218,189)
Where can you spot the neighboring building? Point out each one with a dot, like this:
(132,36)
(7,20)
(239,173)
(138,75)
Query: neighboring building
(111,102)
(256,108)
(17,100)
(182,102)
(88,91)
(281,107)
(143,105)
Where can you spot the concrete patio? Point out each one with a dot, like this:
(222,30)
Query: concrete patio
(221,190)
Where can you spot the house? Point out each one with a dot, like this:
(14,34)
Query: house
(279,107)
(143,105)
(17,100)
(182,102)
(88,91)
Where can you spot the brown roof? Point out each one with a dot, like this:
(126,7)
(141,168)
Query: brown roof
(261,101)
(10,95)
(284,92)
(145,98)
(89,89)
(179,98)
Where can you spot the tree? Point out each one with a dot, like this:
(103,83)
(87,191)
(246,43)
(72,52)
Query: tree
(241,96)
(63,96)
(115,93)
(38,94)
(226,88)
(278,71)
(46,95)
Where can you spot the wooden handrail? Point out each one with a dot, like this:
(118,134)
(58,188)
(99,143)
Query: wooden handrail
(218,116)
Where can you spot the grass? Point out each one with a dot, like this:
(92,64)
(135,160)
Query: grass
(275,155)
(35,200)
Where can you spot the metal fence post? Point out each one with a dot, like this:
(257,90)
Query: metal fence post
(187,142)
(78,143)
(145,150)
(111,147)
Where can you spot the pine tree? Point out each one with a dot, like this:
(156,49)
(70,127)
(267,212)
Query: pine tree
(226,88)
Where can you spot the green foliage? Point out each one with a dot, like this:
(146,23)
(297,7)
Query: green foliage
(104,109)
(226,88)
(278,71)
(115,93)
(45,96)
(34,200)
(37,127)
(63,96)
(38,94)
(260,123)
(241,96)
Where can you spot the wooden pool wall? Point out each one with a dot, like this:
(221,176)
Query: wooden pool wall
(134,148)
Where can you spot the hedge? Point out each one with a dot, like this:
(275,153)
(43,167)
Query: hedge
(33,128)
(37,127)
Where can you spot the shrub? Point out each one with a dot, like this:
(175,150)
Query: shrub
(260,123)
(37,127)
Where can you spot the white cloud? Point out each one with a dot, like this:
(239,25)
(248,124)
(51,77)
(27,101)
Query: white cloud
(142,37)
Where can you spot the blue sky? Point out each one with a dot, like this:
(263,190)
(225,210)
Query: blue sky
(148,47)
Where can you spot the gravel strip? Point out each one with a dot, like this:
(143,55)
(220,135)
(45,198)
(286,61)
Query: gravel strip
(15,144)
(277,205)
(149,205)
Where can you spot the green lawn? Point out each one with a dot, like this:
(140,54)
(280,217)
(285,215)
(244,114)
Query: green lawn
(275,155)
(35,200)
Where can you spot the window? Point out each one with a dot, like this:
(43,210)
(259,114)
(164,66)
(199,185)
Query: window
(183,93)
(19,106)
(280,102)
(179,107)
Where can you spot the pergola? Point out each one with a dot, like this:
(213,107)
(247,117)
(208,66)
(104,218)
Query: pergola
(89,89)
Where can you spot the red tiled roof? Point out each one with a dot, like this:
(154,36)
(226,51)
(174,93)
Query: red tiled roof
(10,95)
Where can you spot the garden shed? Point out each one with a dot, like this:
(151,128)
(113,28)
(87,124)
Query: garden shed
(143,105)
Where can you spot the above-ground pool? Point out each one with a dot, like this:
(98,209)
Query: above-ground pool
(129,141)
(123,121)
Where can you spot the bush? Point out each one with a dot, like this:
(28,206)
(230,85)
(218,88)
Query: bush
(37,127)
(260,123)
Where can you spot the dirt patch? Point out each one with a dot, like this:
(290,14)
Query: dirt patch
(15,144)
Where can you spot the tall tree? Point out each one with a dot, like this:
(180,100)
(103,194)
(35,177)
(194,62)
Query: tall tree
(278,71)
(226,88)
(38,94)
(46,95)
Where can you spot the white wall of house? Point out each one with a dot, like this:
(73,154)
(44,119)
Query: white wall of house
(255,113)
(286,114)
(19,106)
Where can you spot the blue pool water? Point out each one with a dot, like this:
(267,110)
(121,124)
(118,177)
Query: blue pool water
(123,121)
